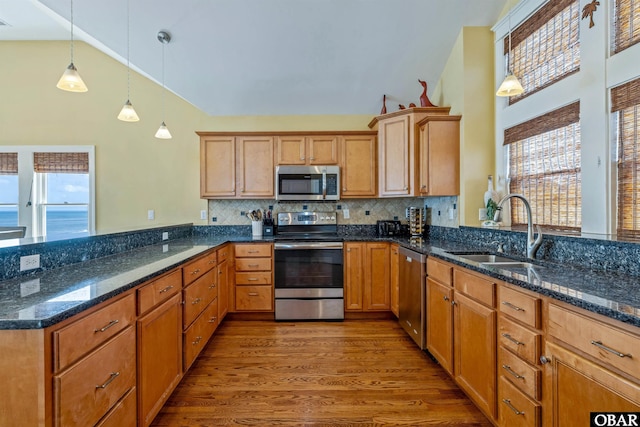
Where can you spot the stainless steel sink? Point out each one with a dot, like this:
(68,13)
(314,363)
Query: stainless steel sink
(487,258)
(510,264)
(492,260)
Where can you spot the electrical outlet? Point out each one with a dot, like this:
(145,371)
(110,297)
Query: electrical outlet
(165,235)
(203,214)
(29,262)
(452,213)
(151,214)
(345,213)
(482,214)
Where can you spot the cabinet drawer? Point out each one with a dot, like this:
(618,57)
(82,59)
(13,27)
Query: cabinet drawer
(253,250)
(254,298)
(197,268)
(253,264)
(524,376)
(223,253)
(520,306)
(520,340)
(123,414)
(608,344)
(478,288)
(159,290)
(80,337)
(198,295)
(199,333)
(439,271)
(256,278)
(514,408)
(84,393)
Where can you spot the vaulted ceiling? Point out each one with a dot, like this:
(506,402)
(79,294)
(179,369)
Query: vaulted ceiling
(268,57)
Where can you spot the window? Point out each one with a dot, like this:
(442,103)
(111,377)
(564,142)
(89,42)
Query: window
(48,189)
(544,166)
(625,25)
(545,47)
(625,107)
(8,189)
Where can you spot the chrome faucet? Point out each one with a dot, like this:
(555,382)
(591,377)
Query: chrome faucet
(532,243)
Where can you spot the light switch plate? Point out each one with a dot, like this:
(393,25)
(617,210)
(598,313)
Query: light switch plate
(151,214)
(345,213)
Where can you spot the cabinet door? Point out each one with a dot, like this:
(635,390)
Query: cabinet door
(395,278)
(359,172)
(475,352)
(440,323)
(377,292)
(217,167)
(290,150)
(353,276)
(255,171)
(394,156)
(159,357)
(439,156)
(574,387)
(322,150)
(223,289)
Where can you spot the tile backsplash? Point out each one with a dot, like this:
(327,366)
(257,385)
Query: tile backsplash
(361,211)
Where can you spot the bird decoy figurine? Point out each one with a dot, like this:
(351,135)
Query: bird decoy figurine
(424,100)
(384,105)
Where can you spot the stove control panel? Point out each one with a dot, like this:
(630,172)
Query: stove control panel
(307,218)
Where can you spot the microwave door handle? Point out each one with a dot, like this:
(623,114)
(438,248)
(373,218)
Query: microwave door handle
(324,185)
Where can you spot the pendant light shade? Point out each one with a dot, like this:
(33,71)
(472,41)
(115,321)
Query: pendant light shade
(71,80)
(128,114)
(510,85)
(163,131)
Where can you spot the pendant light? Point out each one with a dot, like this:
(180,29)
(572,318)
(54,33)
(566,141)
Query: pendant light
(71,80)
(510,85)
(128,114)
(163,131)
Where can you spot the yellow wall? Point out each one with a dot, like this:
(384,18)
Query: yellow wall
(466,85)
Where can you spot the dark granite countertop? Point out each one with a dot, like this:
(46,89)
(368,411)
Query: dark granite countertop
(46,298)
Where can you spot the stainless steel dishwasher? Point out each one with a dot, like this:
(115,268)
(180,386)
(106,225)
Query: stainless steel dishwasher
(412,301)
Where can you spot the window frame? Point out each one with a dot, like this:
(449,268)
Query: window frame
(27,209)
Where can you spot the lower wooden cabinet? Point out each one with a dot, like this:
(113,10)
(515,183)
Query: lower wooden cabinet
(367,278)
(394,264)
(123,414)
(159,357)
(253,290)
(440,323)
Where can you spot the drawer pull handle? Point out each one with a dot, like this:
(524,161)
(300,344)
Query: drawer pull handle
(513,340)
(253,265)
(167,289)
(610,350)
(211,261)
(213,319)
(196,271)
(111,378)
(446,298)
(515,411)
(196,301)
(253,252)
(104,328)
(212,286)
(252,279)
(253,294)
(515,307)
(515,374)
(220,272)
(197,341)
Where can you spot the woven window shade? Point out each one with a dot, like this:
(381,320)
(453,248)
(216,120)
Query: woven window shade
(61,162)
(546,47)
(8,163)
(625,103)
(545,167)
(626,24)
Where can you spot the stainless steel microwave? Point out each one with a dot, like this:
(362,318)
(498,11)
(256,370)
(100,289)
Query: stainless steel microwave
(307,183)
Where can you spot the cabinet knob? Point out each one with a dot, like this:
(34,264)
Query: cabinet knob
(453,303)
(446,298)
(344,189)
(544,359)
(312,158)
(405,188)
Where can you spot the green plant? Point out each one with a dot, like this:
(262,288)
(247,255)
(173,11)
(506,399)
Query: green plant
(492,208)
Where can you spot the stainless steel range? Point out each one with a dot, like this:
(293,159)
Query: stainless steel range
(308,267)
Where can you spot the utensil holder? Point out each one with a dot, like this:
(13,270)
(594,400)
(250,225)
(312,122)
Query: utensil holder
(256,228)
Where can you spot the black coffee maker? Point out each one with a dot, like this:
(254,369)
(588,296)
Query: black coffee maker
(389,228)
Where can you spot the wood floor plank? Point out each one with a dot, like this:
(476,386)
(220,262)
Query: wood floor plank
(352,373)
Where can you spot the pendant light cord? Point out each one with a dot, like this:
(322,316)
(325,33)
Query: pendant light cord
(509,52)
(128,50)
(163,88)
(72,31)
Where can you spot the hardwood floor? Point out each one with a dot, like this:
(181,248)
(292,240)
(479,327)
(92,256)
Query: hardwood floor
(348,373)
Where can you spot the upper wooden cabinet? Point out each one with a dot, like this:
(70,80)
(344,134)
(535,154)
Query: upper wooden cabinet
(418,153)
(236,166)
(307,150)
(359,167)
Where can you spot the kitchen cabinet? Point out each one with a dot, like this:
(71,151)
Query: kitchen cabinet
(307,150)
(236,166)
(402,170)
(461,329)
(224,273)
(159,343)
(590,364)
(367,276)
(359,166)
(439,156)
(394,270)
(253,277)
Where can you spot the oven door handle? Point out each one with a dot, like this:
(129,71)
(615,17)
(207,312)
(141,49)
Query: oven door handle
(309,245)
